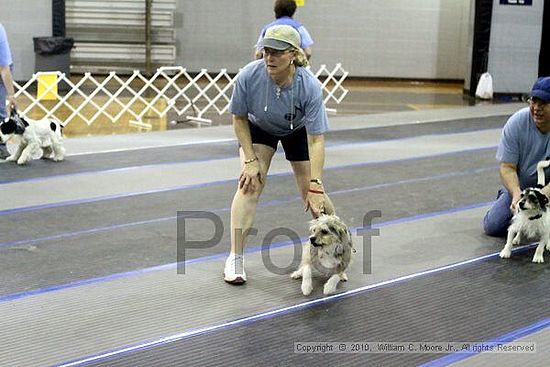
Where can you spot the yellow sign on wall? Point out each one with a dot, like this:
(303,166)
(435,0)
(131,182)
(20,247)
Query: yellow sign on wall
(300,2)
(45,81)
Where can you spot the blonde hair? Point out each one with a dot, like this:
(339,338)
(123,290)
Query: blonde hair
(300,58)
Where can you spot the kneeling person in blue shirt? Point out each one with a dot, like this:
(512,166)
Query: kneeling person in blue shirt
(525,141)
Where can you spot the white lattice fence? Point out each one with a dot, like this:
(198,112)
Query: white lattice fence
(135,98)
(332,83)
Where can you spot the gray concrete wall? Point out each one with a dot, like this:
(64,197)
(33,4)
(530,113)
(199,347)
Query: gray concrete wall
(23,20)
(390,38)
(428,39)
(514,46)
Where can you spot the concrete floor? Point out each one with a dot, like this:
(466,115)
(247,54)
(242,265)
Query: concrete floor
(88,253)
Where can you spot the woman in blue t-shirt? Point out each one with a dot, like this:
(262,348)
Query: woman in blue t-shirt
(6,83)
(276,99)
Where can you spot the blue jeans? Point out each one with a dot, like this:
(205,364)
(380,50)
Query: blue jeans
(497,219)
(3,94)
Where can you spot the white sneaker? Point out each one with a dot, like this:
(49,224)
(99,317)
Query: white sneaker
(234,269)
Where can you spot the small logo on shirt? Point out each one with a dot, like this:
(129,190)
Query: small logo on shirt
(292,116)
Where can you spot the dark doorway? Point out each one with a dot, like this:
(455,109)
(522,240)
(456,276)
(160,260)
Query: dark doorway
(58,18)
(482,35)
(544,55)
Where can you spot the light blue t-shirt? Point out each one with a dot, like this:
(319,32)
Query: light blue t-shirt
(5,53)
(524,145)
(306,40)
(255,96)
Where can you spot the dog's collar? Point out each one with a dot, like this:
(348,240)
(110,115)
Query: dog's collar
(534,217)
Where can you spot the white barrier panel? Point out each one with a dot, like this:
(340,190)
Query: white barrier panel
(332,84)
(136,97)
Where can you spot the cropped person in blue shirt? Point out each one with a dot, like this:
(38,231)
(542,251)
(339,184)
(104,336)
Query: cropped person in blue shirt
(276,99)
(6,83)
(525,141)
(284,11)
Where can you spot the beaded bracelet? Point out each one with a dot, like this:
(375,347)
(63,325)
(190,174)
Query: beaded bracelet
(251,160)
(316,191)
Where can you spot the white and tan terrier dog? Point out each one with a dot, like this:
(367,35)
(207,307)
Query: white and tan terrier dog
(532,221)
(35,137)
(329,250)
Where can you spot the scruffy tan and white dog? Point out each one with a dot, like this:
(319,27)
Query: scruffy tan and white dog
(35,136)
(329,250)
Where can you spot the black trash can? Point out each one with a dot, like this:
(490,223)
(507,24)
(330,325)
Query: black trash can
(53,54)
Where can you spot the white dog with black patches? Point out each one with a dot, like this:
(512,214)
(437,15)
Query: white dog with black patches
(329,250)
(35,136)
(530,220)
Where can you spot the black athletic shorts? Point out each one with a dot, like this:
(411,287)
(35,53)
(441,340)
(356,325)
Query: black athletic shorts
(294,144)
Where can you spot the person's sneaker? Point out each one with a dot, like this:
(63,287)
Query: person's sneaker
(233,272)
